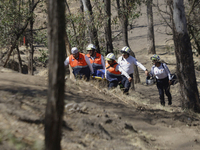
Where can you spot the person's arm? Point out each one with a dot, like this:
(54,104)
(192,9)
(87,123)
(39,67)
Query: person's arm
(105,71)
(137,63)
(102,62)
(66,62)
(119,68)
(167,71)
(89,64)
(152,71)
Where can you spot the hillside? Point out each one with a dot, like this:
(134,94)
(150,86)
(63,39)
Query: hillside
(98,119)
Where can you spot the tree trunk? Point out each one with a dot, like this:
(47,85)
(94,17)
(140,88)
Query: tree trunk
(123,16)
(108,32)
(68,51)
(20,60)
(31,52)
(185,64)
(150,29)
(55,102)
(90,23)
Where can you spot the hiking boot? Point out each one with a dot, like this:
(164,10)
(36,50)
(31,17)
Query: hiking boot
(162,103)
(126,93)
(170,102)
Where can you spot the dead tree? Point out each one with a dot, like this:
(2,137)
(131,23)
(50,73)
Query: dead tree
(123,12)
(108,31)
(150,29)
(31,51)
(184,58)
(55,101)
(90,23)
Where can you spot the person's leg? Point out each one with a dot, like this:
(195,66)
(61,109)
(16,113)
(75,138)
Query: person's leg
(161,92)
(127,85)
(122,83)
(112,84)
(167,92)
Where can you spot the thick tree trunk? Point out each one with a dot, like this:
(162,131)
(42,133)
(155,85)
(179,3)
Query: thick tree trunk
(108,32)
(90,23)
(150,29)
(55,102)
(31,52)
(185,64)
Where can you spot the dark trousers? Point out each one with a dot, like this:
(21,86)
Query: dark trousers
(113,84)
(163,86)
(126,83)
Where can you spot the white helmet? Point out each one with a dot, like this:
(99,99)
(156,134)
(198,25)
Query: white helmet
(126,49)
(74,50)
(90,47)
(110,56)
(150,80)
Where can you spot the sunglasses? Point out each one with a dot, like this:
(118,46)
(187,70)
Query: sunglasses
(124,53)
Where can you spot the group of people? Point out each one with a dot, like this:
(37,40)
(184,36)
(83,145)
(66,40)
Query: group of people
(119,72)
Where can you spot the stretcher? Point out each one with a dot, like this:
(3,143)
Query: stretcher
(100,75)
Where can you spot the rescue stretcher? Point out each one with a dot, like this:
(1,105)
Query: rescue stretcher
(100,75)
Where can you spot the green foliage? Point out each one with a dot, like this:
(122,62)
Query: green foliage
(40,37)
(12,17)
(76,30)
(44,56)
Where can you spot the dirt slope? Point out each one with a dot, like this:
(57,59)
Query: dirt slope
(94,118)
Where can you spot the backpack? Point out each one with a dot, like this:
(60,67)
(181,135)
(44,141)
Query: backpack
(174,77)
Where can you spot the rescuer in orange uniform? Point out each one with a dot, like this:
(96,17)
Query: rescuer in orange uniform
(96,59)
(113,72)
(80,64)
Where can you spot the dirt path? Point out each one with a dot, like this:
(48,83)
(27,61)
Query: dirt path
(94,118)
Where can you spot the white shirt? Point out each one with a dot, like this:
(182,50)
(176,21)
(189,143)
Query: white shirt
(119,68)
(127,64)
(66,62)
(160,72)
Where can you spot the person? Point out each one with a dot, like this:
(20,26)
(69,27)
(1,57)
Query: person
(113,71)
(96,59)
(80,64)
(127,63)
(163,79)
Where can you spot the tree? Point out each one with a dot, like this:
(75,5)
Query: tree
(150,29)
(90,23)
(193,23)
(13,24)
(108,31)
(125,8)
(55,101)
(31,51)
(184,58)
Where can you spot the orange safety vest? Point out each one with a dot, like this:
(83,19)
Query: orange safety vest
(111,68)
(97,60)
(78,63)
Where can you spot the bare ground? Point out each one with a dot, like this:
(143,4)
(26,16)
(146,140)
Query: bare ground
(94,118)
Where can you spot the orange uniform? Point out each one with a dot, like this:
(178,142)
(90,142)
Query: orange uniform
(79,65)
(112,74)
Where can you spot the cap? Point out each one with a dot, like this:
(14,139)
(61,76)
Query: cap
(74,50)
